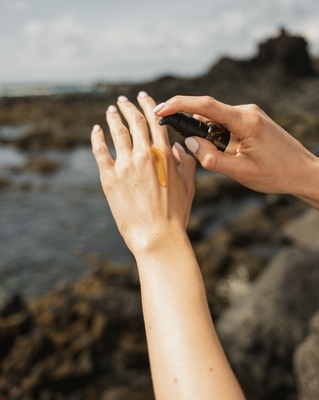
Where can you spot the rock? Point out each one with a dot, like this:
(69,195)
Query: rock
(11,305)
(252,225)
(212,253)
(306,363)
(260,333)
(4,183)
(80,335)
(304,230)
(211,187)
(132,350)
(124,393)
(15,320)
(42,165)
(287,52)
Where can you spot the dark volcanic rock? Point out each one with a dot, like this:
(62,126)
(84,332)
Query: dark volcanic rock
(287,53)
(76,335)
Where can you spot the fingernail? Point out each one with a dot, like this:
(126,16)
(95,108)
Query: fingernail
(112,109)
(192,144)
(122,98)
(158,108)
(179,146)
(142,94)
(96,128)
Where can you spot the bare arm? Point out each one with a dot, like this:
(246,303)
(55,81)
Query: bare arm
(268,159)
(150,198)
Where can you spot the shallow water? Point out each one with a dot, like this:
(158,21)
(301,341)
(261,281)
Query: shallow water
(53,225)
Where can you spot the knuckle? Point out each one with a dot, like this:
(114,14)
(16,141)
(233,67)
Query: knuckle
(207,102)
(138,118)
(252,115)
(255,122)
(167,152)
(119,130)
(209,162)
(253,108)
(99,151)
(175,100)
(142,157)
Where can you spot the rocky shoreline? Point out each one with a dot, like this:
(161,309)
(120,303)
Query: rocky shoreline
(86,339)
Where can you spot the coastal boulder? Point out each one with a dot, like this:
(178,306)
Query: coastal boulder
(306,363)
(304,229)
(260,333)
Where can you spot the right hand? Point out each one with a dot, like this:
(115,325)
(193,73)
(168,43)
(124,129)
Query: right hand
(268,159)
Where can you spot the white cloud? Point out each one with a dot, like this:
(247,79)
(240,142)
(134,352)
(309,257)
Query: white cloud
(55,42)
(70,39)
(16,5)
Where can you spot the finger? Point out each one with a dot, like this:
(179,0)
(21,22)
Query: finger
(215,160)
(158,133)
(186,166)
(120,135)
(100,150)
(136,121)
(201,118)
(207,107)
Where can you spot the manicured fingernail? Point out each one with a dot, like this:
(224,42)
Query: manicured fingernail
(142,94)
(158,108)
(192,144)
(122,98)
(96,128)
(112,109)
(179,146)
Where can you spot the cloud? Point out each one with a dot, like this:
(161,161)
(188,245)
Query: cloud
(16,5)
(72,40)
(55,40)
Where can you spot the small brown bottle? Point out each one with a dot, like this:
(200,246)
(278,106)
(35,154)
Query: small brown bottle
(216,133)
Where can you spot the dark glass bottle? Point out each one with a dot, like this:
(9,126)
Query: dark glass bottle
(216,133)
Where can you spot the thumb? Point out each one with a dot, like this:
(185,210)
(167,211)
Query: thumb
(211,158)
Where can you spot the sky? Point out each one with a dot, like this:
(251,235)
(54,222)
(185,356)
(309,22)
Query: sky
(81,41)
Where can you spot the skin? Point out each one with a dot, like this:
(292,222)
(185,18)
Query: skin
(186,358)
(268,159)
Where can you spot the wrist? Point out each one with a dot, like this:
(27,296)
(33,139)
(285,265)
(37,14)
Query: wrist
(309,191)
(161,244)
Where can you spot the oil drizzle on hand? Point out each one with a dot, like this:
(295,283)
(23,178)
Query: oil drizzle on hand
(159,162)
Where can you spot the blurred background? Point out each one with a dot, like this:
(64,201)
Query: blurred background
(62,64)
(86,47)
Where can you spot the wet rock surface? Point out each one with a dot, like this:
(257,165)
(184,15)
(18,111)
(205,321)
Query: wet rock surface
(306,363)
(86,339)
(261,332)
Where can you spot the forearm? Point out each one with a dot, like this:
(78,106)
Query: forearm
(187,360)
(309,193)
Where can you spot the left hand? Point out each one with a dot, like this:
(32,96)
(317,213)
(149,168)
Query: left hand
(149,195)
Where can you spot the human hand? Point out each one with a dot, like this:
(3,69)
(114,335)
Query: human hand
(267,159)
(149,196)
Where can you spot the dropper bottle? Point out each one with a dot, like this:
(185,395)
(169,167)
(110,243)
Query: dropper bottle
(216,133)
